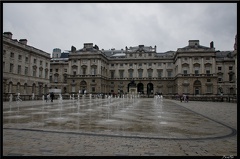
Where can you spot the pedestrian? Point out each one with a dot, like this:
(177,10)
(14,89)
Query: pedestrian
(187,98)
(184,97)
(181,98)
(52,96)
(46,97)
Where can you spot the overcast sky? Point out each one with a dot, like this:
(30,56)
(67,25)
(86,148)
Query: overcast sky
(116,25)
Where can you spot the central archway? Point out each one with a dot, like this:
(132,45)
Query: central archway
(149,88)
(140,88)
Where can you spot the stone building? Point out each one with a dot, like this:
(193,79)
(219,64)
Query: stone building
(25,68)
(193,69)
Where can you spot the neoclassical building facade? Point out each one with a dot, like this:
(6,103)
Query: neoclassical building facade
(25,68)
(193,69)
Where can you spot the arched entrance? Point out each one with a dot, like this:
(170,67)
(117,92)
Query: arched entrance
(83,86)
(140,88)
(149,88)
(197,87)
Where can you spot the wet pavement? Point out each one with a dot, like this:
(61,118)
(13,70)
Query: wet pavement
(116,127)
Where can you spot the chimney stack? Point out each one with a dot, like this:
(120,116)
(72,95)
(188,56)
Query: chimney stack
(23,41)
(211,44)
(8,35)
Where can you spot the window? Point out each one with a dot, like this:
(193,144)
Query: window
(149,73)
(207,58)
(50,70)
(93,81)
(112,82)
(130,73)
(121,64)
(65,78)
(209,89)
(140,73)
(112,65)
(230,67)
(74,73)
(208,80)
(19,57)
(26,59)
(74,61)
(40,73)
(19,69)
(149,54)
(219,68)
(11,68)
(185,72)
(219,79)
(40,62)
(149,64)
(121,73)
(55,78)
(93,89)
(56,70)
(196,58)
(159,74)
(26,70)
(140,55)
(208,72)
(112,74)
(130,64)
(196,72)
(46,64)
(140,64)
(50,78)
(65,70)
(12,55)
(230,77)
(46,73)
(169,64)
(169,73)
(84,71)
(159,64)
(130,55)
(34,72)
(35,61)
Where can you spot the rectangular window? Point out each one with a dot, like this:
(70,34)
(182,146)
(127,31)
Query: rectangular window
(159,64)
(19,57)
(140,64)
(46,64)
(121,64)
(35,61)
(230,67)
(159,74)
(56,70)
(149,74)
(12,55)
(112,65)
(130,64)
(74,73)
(19,69)
(93,81)
(40,62)
(26,70)
(208,72)
(46,73)
(149,64)
(185,72)
(34,72)
(209,89)
(11,68)
(93,89)
(219,68)
(121,73)
(130,74)
(50,78)
(40,73)
(65,70)
(50,70)
(219,79)
(169,73)
(208,80)
(26,59)
(112,74)
(140,73)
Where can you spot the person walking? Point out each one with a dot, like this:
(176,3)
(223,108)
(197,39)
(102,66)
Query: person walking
(46,97)
(51,96)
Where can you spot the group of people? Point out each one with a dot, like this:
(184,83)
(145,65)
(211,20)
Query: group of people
(47,96)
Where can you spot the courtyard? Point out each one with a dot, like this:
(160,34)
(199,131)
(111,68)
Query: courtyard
(119,127)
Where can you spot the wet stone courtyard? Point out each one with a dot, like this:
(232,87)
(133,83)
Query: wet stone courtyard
(135,117)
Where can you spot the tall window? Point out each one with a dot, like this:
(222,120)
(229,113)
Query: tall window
(169,73)
(140,72)
(26,59)
(112,74)
(19,69)
(46,74)
(19,57)
(26,70)
(34,72)
(130,73)
(150,73)
(159,73)
(12,55)
(121,73)
(11,68)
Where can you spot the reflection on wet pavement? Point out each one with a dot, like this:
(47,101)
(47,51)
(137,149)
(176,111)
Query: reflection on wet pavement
(118,116)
